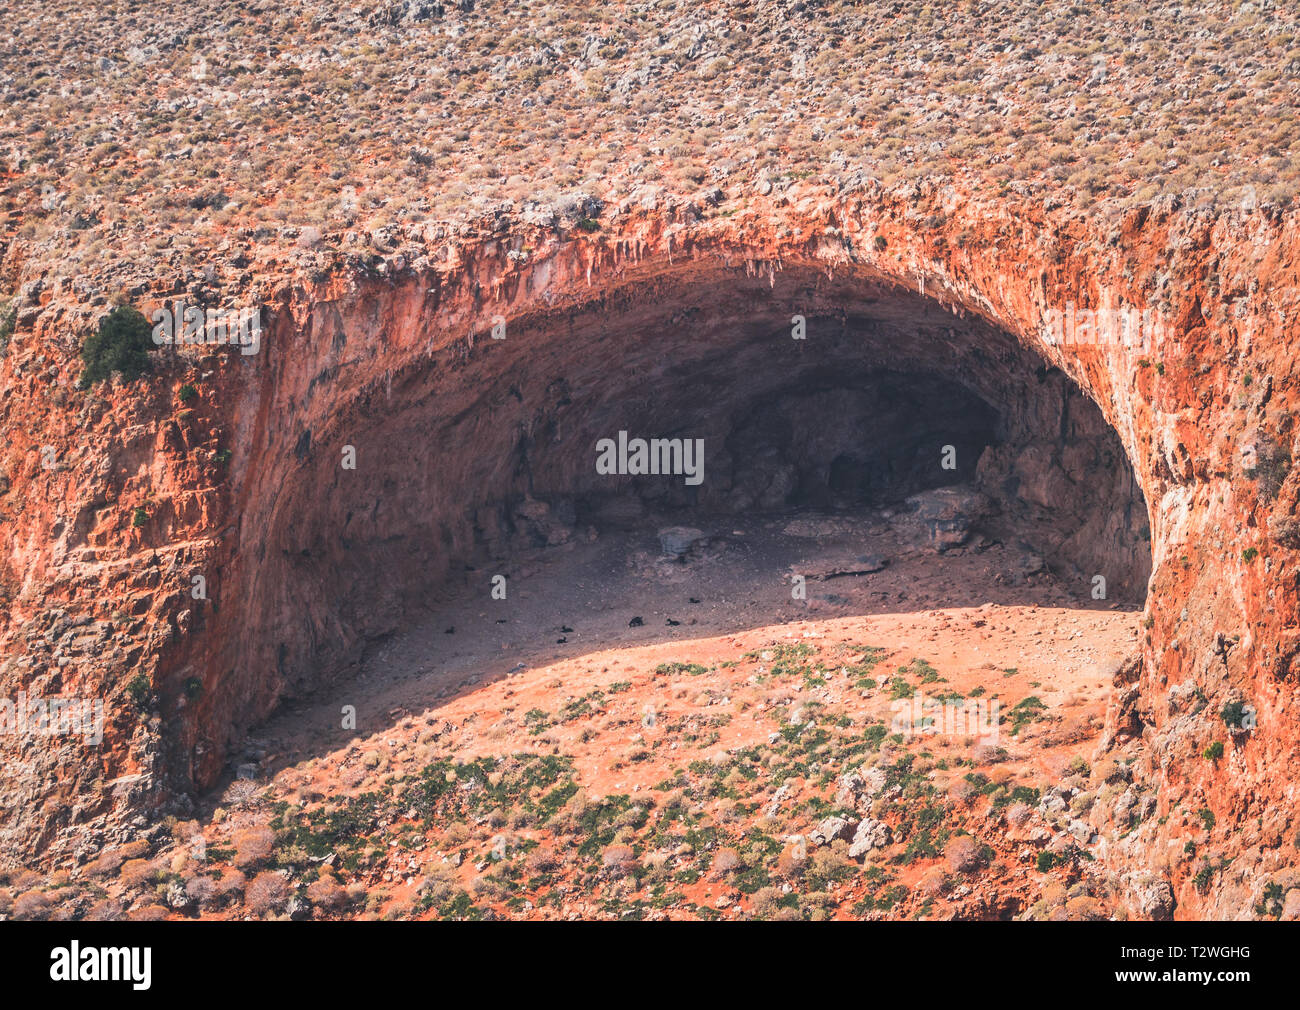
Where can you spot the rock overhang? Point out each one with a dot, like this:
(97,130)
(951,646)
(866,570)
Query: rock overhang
(1180,410)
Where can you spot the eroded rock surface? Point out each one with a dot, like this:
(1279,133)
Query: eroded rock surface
(115,499)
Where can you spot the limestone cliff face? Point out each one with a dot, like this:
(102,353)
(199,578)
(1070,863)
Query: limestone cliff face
(305,560)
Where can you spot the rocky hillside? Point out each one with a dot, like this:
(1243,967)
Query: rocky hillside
(386,183)
(145,144)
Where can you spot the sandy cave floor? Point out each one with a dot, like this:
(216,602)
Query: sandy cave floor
(720,668)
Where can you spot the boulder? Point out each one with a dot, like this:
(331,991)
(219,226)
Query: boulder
(945,516)
(869,836)
(829,829)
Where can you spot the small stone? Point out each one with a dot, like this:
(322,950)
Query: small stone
(677,540)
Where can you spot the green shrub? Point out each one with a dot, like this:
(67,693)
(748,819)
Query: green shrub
(186,393)
(1025,711)
(900,689)
(1235,715)
(121,344)
(676,669)
(1272,901)
(8,315)
(139,689)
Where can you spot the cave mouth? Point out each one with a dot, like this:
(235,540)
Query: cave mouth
(837,441)
(806,393)
(948,468)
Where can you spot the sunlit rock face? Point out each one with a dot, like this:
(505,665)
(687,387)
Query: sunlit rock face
(929,323)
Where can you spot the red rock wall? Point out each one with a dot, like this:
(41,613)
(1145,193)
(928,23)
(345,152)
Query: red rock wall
(91,601)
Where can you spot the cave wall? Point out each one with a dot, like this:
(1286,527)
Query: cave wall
(1062,479)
